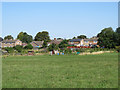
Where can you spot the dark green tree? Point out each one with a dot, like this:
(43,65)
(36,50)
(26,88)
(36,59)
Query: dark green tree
(9,49)
(8,37)
(63,44)
(106,38)
(18,48)
(24,37)
(52,47)
(42,36)
(81,37)
(74,38)
(44,44)
(29,46)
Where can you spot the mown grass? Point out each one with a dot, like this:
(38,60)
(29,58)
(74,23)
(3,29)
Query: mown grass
(67,71)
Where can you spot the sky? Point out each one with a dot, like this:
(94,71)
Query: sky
(60,19)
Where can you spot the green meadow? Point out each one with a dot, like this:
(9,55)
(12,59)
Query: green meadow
(64,71)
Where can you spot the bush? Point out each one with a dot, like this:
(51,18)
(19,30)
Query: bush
(29,46)
(117,48)
(9,49)
(68,51)
(18,48)
(80,50)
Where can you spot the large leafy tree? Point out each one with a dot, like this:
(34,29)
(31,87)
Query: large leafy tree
(29,46)
(107,38)
(24,37)
(63,44)
(81,37)
(8,37)
(42,36)
(117,36)
(44,44)
(52,47)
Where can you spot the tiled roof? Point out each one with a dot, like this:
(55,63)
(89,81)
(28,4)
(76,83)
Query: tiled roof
(75,40)
(37,43)
(9,41)
(55,41)
(91,39)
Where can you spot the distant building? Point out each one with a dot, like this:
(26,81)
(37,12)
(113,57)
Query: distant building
(11,43)
(55,41)
(84,42)
(37,44)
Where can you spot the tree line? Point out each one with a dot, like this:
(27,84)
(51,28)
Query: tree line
(107,38)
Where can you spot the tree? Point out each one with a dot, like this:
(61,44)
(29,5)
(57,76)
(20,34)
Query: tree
(29,46)
(117,36)
(74,38)
(24,37)
(18,48)
(52,47)
(9,49)
(1,39)
(42,36)
(63,44)
(106,38)
(118,30)
(8,37)
(81,37)
(44,44)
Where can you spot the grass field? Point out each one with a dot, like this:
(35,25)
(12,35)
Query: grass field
(68,71)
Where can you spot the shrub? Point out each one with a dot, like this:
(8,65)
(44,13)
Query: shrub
(117,48)
(68,51)
(29,46)
(18,48)
(9,49)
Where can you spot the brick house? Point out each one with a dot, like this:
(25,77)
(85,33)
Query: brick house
(11,43)
(37,44)
(55,41)
(84,42)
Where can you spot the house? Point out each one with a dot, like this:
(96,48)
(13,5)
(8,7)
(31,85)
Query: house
(11,43)
(84,42)
(55,41)
(76,42)
(24,44)
(37,44)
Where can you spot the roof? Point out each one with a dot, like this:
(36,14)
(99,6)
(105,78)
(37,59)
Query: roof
(37,43)
(9,41)
(91,39)
(55,41)
(75,40)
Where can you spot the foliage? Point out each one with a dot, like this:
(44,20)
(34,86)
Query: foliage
(63,44)
(52,47)
(42,36)
(107,38)
(44,44)
(29,46)
(9,49)
(81,37)
(117,48)
(24,37)
(68,51)
(80,50)
(18,48)
(74,38)
(8,37)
